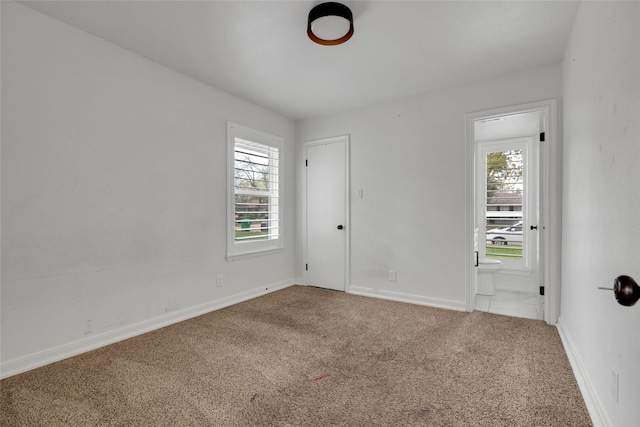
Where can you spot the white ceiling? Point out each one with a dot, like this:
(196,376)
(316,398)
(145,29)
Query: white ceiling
(259,50)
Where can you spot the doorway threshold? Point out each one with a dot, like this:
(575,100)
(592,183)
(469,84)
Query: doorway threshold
(508,303)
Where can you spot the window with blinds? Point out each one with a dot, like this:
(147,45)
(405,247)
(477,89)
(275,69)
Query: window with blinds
(504,202)
(255,214)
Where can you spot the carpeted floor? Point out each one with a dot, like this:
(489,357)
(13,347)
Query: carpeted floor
(311,357)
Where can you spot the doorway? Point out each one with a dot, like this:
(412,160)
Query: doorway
(512,212)
(326,213)
(507,213)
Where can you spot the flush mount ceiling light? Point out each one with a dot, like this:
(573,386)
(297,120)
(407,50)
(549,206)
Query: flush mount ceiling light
(330,24)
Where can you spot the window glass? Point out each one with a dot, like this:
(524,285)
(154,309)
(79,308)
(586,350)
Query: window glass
(504,200)
(254,205)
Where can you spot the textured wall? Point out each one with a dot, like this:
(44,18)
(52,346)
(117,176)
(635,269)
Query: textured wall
(409,158)
(114,189)
(601,221)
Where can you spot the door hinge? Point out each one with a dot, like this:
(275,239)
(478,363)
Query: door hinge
(306,162)
(541,290)
(306,267)
(541,136)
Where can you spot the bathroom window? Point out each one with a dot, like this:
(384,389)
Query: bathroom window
(254,207)
(504,191)
(505,196)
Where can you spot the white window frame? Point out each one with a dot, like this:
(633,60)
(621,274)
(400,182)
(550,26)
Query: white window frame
(241,249)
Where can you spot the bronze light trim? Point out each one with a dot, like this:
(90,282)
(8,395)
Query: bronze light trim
(330,9)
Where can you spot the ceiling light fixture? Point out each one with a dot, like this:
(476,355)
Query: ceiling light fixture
(330,24)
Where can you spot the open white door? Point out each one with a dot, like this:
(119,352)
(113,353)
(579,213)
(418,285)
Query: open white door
(327,213)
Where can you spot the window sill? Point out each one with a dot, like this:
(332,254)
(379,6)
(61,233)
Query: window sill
(257,253)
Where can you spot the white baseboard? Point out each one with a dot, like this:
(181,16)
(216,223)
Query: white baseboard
(45,357)
(594,407)
(409,298)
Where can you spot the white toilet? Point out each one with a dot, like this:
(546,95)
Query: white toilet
(486,268)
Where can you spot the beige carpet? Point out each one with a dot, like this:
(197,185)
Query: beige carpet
(312,357)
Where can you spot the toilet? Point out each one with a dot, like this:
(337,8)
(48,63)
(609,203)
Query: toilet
(486,268)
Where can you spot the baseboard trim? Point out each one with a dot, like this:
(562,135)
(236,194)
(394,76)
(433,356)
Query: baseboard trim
(55,354)
(594,407)
(408,298)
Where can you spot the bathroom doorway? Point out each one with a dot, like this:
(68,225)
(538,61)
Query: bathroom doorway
(507,218)
(507,213)
(512,186)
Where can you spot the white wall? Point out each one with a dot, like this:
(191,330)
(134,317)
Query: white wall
(113,193)
(409,158)
(601,212)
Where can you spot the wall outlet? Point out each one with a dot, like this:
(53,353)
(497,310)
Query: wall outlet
(219,278)
(614,384)
(392,275)
(359,193)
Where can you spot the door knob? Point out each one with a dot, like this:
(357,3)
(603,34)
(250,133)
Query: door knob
(626,290)
(340,227)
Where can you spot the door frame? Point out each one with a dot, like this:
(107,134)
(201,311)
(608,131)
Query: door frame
(347,215)
(549,226)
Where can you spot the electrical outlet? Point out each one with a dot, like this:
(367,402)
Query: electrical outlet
(359,193)
(219,280)
(614,384)
(392,275)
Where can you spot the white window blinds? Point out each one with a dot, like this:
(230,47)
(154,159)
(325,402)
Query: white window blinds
(255,202)
(256,179)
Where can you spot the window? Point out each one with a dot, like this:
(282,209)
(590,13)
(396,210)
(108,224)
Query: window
(504,202)
(254,223)
(507,202)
